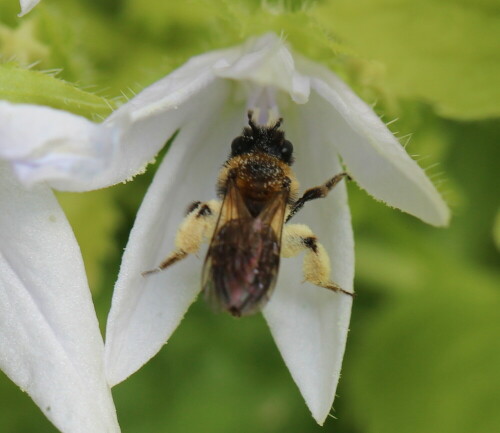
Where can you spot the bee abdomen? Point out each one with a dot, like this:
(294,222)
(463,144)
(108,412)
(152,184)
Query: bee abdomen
(244,265)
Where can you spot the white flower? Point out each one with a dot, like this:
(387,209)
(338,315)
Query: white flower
(50,343)
(27,5)
(207,99)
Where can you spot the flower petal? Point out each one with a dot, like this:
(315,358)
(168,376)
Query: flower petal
(374,157)
(51,344)
(265,61)
(26,6)
(151,117)
(174,90)
(310,323)
(146,310)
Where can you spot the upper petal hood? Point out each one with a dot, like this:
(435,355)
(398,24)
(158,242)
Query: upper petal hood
(265,61)
(374,157)
(51,345)
(72,153)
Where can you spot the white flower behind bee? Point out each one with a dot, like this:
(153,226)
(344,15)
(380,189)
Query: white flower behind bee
(207,100)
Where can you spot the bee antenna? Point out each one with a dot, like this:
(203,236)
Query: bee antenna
(278,123)
(251,122)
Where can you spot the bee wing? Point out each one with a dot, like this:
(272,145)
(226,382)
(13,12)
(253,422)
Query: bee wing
(233,206)
(242,262)
(273,213)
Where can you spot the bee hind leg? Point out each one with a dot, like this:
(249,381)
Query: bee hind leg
(196,228)
(316,266)
(172,258)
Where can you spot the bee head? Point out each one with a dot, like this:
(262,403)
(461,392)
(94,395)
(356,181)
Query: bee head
(263,139)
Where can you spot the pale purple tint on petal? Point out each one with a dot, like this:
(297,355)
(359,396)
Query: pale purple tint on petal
(48,145)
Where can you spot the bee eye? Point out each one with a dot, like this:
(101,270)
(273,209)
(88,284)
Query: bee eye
(286,151)
(239,146)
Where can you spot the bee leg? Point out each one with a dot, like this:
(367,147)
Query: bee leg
(316,192)
(316,267)
(197,227)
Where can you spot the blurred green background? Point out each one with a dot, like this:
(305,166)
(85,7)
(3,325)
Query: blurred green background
(423,355)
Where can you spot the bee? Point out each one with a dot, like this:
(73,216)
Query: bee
(247,227)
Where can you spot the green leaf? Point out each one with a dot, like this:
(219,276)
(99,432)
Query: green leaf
(429,362)
(443,52)
(231,22)
(33,87)
(496,230)
(94,217)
